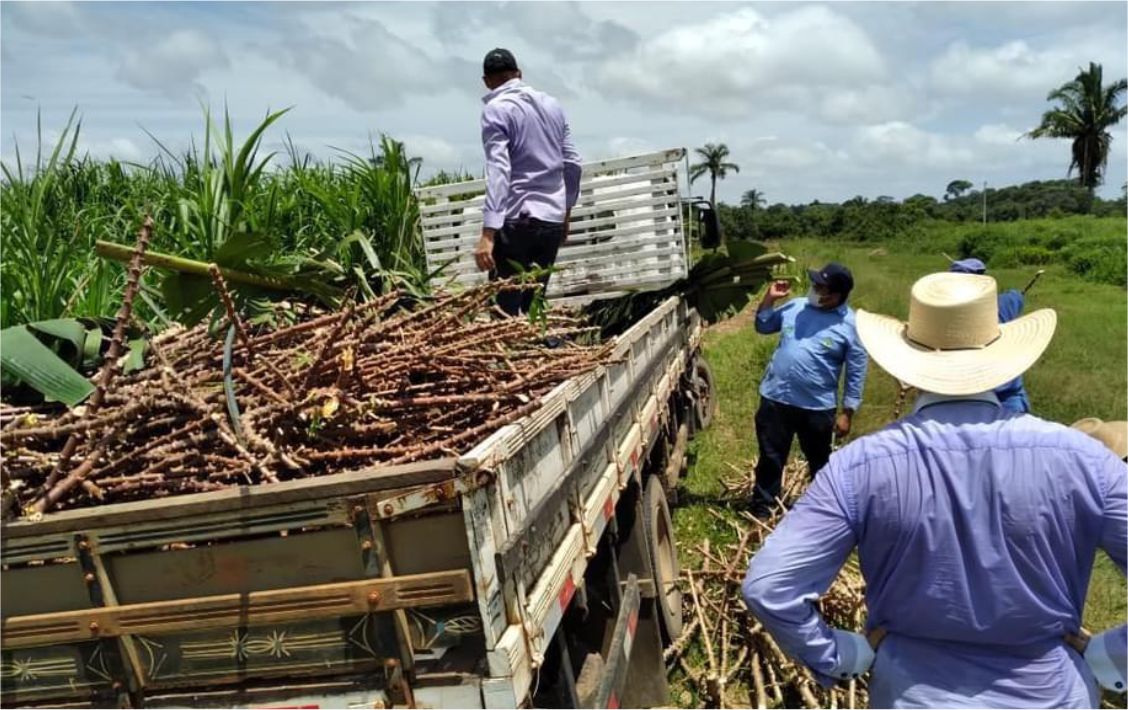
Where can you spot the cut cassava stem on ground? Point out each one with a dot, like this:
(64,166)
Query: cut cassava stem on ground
(748,657)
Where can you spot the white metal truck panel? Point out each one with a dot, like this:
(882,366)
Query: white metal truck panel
(626,229)
(599,508)
(481,525)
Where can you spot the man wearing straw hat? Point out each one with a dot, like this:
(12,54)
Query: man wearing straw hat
(976,528)
(1012,395)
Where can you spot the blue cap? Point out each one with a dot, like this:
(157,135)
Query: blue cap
(968,266)
(836,277)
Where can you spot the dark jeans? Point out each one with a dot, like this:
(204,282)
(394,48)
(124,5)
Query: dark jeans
(776,425)
(528,242)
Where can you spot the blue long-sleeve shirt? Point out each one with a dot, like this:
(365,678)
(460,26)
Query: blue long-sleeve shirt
(814,346)
(976,531)
(532,166)
(1012,395)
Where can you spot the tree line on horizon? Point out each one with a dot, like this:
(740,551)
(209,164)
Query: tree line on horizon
(1083,110)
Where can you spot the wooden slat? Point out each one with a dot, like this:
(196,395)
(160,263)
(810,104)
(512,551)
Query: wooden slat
(340,484)
(587,184)
(656,158)
(577,236)
(628,200)
(628,258)
(202,613)
(608,187)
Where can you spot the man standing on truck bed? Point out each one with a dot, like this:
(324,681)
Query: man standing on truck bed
(799,390)
(976,528)
(532,177)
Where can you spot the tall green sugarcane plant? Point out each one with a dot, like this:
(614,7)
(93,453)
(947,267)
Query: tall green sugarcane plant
(309,231)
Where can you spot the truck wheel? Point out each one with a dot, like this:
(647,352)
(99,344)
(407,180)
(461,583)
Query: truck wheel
(705,402)
(663,557)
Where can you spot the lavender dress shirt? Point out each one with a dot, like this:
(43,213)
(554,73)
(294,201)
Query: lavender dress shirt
(976,531)
(532,167)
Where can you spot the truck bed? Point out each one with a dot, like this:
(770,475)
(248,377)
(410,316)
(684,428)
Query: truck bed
(429,583)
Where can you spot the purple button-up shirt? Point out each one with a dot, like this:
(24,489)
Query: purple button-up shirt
(976,531)
(532,167)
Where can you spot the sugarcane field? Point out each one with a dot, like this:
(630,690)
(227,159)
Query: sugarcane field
(563,355)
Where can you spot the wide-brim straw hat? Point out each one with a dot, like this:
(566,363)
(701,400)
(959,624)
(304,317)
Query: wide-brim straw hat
(1114,435)
(953,342)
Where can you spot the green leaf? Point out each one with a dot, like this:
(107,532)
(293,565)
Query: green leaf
(92,348)
(67,329)
(243,248)
(743,250)
(23,356)
(136,359)
(365,246)
(188,298)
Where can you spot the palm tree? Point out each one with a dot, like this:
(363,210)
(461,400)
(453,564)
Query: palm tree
(714,164)
(752,199)
(1085,111)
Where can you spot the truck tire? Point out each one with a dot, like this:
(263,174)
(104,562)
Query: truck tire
(663,557)
(704,394)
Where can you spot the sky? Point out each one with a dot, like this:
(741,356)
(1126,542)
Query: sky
(814,100)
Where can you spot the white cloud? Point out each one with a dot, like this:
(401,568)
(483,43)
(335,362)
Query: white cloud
(627,145)
(433,151)
(1015,69)
(371,67)
(867,104)
(122,149)
(989,148)
(797,157)
(999,134)
(53,19)
(742,61)
(562,28)
(903,143)
(860,98)
(173,65)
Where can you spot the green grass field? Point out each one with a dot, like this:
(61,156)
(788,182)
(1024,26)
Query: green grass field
(1083,373)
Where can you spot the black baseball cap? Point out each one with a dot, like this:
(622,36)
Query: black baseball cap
(497,61)
(836,277)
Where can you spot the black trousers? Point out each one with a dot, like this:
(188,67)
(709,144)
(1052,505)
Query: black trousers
(776,425)
(524,243)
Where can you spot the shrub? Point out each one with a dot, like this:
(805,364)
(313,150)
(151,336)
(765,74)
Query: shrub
(1022,255)
(1100,260)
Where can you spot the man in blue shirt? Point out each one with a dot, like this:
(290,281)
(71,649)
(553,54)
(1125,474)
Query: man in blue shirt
(975,528)
(1012,395)
(799,390)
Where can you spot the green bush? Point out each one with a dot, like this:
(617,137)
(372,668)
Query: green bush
(1022,255)
(1100,260)
(1096,249)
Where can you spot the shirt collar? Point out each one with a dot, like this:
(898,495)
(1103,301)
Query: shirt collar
(927,399)
(510,85)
